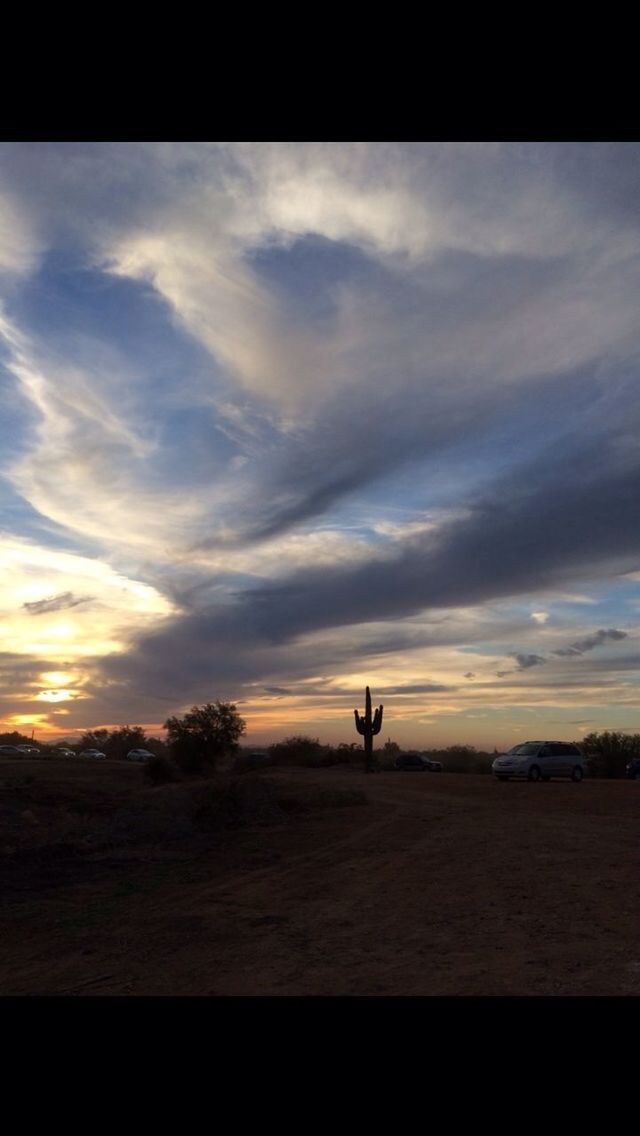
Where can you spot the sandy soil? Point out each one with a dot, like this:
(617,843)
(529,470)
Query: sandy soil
(440,884)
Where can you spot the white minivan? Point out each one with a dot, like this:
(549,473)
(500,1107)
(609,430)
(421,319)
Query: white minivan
(540,761)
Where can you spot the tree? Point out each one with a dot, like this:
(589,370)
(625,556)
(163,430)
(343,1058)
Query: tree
(15,739)
(609,751)
(95,739)
(120,741)
(204,735)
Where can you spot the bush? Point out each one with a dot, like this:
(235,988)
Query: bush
(298,750)
(161,770)
(608,753)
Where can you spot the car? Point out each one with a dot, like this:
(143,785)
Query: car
(10,751)
(96,754)
(633,769)
(418,762)
(139,755)
(434,766)
(62,751)
(28,749)
(540,761)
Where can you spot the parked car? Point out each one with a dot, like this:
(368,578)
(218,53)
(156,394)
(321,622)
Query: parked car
(29,749)
(139,755)
(10,751)
(540,761)
(61,751)
(633,769)
(418,762)
(434,766)
(96,754)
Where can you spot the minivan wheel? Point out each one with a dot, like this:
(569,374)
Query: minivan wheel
(577,774)
(534,773)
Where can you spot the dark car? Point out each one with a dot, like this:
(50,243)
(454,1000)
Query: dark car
(633,769)
(10,751)
(419,762)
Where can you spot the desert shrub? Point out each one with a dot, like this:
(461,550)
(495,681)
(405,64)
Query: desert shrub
(160,770)
(236,803)
(298,750)
(311,754)
(461,759)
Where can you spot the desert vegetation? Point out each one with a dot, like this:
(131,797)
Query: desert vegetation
(207,738)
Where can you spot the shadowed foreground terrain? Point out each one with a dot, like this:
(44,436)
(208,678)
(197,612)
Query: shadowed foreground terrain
(315,882)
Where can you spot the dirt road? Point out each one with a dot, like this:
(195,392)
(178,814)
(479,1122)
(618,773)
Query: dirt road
(441,884)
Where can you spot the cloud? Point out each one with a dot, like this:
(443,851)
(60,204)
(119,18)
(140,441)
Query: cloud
(415,688)
(316,397)
(490,553)
(56,603)
(19,244)
(526,661)
(591,641)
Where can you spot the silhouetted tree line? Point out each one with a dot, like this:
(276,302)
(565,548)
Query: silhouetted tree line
(608,753)
(198,741)
(15,739)
(115,744)
(305,751)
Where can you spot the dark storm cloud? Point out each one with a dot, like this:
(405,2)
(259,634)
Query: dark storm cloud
(537,528)
(55,603)
(16,669)
(532,532)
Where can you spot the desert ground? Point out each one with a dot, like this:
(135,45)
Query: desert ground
(315,882)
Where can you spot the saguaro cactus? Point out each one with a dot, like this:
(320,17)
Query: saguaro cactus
(368,726)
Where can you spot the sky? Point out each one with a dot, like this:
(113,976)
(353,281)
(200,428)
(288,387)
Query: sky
(282,420)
